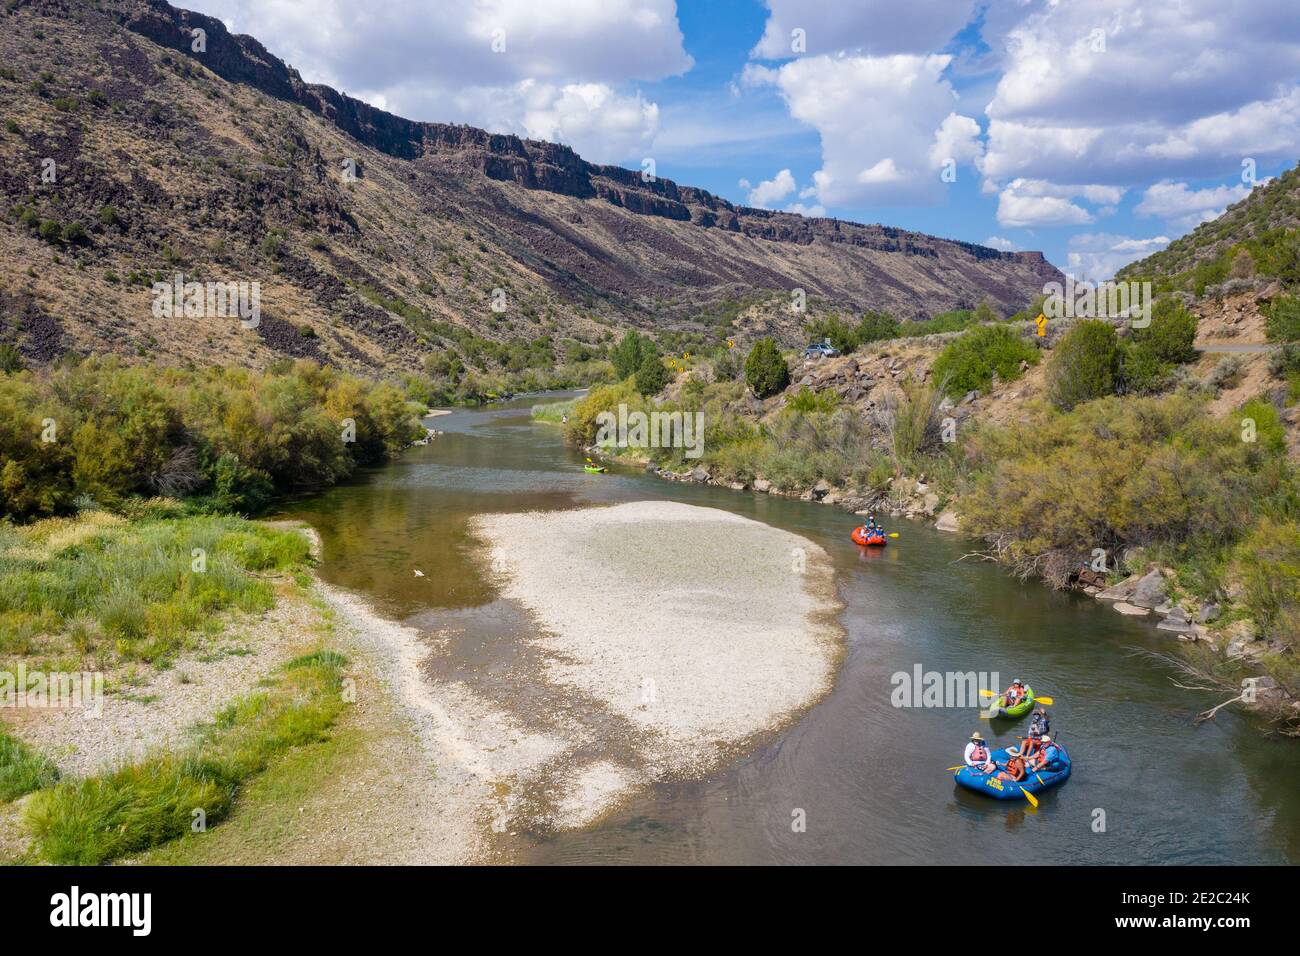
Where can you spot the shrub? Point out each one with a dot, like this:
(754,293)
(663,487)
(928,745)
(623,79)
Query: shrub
(1282,319)
(652,376)
(765,369)
(806,401)
(630,353)
(877,327)
(1154,351)
(1267,562)
(1085,364)
(970,361)
(1112,473)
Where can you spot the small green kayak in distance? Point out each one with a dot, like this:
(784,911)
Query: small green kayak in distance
(1022,708)
(594,469)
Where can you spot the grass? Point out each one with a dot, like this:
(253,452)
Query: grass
(98,582)
(131,809)
(554,412)
(22,770)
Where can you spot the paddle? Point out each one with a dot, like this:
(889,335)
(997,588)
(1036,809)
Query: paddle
(1033,800)
(1045,701)
(893,534)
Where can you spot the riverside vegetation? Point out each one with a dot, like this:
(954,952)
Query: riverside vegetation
(1122,455)
(122,545)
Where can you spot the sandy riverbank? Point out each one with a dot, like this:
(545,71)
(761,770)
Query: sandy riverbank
(667,637)
(696,627)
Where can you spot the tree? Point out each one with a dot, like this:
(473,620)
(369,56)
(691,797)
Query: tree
(1085,365)
(765,369)
(651,377)
(985,312)
(629,355)
(876,327)
(970,361)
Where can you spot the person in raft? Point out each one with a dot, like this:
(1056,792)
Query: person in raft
(1038,727)
(1039,724)
(1015,693)
(1048,756)
(1015,771)
(977,755)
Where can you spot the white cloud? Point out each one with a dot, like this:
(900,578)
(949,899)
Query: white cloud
(814,211)
(1097,256)
(880,120)
(1037,202)
(1186,208)
(564,72)
(1003,245)
(956,139)
(875,27)
(1178,90)
(771,191)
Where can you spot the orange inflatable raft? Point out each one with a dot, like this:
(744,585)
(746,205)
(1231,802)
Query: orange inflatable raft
(873,539)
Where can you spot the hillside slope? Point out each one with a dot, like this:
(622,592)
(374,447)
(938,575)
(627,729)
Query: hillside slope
(129,158)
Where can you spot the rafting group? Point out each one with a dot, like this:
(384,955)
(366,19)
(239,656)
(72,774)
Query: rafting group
(1019,771)
(871,534)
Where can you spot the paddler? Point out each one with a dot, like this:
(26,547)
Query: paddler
(1015,770)
(977,755)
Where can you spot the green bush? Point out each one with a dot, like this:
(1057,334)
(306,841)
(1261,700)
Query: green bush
(1085,364)
(877,327)
(1112,473)
(652,376)
(1282,319)
(1153,352)
(630,354)
(1267,562)
(970,361)
(806,401)
(765,370)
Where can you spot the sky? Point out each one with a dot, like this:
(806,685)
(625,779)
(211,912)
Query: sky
(1095,131)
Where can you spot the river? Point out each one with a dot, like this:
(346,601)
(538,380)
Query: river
(867,779)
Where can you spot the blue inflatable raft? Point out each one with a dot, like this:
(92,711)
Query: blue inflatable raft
(1034,782)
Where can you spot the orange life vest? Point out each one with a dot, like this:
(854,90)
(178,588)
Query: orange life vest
(979,755)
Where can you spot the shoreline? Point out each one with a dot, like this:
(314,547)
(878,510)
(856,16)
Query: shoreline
(494,771)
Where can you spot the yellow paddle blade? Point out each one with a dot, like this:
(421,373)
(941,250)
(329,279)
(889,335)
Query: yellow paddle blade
(893,534)
(1044,700)
(951,769)
(988,693)
(1033,800)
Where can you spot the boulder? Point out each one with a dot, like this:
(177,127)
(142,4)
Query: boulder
(700,475)
(1208,613)
(762,484)
(1150,590)
(1131,610)
(948,521)
(821,489)
(1176,621)
(1120,592)
(931,503)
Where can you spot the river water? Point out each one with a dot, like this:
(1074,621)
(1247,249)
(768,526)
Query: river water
(867,779)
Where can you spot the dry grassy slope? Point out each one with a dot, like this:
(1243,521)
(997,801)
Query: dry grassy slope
(202,169)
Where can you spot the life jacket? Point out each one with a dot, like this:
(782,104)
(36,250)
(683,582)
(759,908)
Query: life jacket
(1039,725)
(1030,745)
(1016,767)
(980,754)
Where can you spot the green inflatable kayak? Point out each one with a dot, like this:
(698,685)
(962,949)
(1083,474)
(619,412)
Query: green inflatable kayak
(1022,708)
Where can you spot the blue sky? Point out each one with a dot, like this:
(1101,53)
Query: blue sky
(1093,130)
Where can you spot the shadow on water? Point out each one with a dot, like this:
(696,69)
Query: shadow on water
(867,778)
